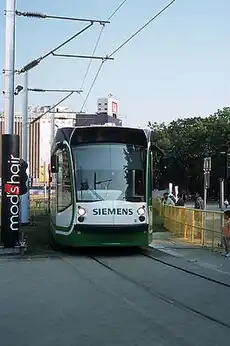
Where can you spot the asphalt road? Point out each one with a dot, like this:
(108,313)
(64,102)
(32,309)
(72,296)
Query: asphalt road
(74,300)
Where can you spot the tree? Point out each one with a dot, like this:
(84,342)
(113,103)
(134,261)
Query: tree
(186,143)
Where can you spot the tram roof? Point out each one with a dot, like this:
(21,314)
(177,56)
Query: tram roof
(80,134)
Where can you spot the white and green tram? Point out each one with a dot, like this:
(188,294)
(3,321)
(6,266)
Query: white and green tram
(101,178)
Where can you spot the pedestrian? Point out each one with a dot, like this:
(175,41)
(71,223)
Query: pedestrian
(226,203)
(184,196)
(199,203)
(226,233)
(180,201)
(167,199)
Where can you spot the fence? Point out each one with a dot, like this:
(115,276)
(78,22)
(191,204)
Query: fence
(38,207)
(200,227)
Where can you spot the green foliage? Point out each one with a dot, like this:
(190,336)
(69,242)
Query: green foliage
(187,141)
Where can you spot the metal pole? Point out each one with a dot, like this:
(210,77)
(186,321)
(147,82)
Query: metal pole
(10,142)
(207,170)
(52,134)
(222,193)
(52,129)
(205,194)
(9,66)
(25,118)
(25,198)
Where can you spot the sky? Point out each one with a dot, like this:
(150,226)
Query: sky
(176,67)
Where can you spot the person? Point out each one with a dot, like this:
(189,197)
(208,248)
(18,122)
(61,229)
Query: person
(226,233)
(199,203)
(226,203)
(180,201)
(167,199)
(184,196)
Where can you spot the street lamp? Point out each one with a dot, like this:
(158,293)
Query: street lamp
(224,173)
(207,170)
(18,89)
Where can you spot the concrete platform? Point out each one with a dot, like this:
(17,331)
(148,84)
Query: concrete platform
(203,257)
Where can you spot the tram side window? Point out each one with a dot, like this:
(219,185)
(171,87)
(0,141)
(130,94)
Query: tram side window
(138,158)
(64,197)
(139,185)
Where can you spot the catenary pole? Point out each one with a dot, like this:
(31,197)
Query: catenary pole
(25,198)
(9,66)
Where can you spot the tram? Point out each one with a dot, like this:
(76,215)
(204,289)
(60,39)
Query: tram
(101,180)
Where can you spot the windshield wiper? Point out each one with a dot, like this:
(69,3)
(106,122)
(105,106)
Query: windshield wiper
(103,181)
(108,181)
(96,194)
(90,200)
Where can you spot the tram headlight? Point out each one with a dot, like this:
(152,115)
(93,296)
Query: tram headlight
(140,211)
(81,211)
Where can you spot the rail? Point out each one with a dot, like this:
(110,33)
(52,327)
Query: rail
(199,227)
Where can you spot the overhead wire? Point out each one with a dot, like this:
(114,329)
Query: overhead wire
(122,45)
(83,101)
(108,56)
(97,42)
(91,86)
(96,45)
(48,111)
(141,28)
(93,53)
(37,61)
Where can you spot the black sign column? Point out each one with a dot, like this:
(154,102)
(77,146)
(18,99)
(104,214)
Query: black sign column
(10,190)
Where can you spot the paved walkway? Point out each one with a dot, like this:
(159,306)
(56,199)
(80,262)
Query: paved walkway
(203,257)
(211,206)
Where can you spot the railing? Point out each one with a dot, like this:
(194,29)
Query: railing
(200,227)
(38,207)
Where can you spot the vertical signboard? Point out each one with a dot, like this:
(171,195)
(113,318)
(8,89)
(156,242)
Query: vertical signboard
(114,108)
(10,190)
(42,174)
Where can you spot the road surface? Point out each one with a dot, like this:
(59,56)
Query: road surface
(127,300)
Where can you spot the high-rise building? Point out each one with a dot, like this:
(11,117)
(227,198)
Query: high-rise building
(108,105)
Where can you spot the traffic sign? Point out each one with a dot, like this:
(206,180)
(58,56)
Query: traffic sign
(207,164)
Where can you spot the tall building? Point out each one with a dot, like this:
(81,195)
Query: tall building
(33,142)
(63,117)
(108,105)
(107,113)
(40,132)
(39,142)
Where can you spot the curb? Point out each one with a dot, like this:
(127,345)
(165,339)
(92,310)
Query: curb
(165,250)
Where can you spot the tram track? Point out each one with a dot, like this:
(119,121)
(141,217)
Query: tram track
(185,270)
(172,301)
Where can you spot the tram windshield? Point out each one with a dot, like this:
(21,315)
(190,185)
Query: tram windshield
(110,172)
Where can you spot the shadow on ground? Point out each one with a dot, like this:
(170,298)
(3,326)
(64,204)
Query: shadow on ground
(40,241)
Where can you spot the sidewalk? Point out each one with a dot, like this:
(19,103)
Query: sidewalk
(193,254)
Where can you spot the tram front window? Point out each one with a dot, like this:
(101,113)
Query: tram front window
(109,172)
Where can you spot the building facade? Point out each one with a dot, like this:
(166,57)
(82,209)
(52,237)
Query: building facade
(108,105)
(33,143)
(40,132)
